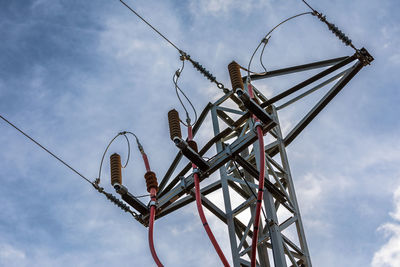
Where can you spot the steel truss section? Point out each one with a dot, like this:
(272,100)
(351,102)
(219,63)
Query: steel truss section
(282,240)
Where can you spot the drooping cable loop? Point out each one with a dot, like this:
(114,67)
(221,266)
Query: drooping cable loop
(265,42)
(124,133)
(178,90)
(202,216)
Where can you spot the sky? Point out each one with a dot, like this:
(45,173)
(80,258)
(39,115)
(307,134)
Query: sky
(75,73)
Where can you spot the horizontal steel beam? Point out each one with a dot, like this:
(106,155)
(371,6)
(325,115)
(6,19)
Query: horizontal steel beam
(309,81)
(299,68)
(322,103)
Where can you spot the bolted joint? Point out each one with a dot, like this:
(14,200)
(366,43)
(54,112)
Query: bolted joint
(364,56)
(257,124)
(196,170)
(189,151)
(255,108)
(120,189)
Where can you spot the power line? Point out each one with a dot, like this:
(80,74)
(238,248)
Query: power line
(151,26)
(45,149)
(109,196)
(184,55)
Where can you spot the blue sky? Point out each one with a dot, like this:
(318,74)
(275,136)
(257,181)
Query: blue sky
(75,73)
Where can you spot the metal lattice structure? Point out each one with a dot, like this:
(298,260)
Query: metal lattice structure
(282,240)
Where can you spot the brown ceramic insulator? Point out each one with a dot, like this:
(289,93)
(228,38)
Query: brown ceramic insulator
(115,167)
(151,180)
(236,77)
(174,124)
(192,144)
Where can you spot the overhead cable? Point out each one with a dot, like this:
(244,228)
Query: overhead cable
(45,149)
(183,54)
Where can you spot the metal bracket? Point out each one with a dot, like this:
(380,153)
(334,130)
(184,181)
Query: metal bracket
(364,56)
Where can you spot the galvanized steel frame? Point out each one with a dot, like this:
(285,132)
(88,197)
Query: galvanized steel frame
(238,169)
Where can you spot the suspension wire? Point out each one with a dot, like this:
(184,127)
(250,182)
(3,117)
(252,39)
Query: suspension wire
(177,90)
(251,190)
(265,41)
(183,54)
(45,149)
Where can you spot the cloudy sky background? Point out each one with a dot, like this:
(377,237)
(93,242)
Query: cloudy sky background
(75,73)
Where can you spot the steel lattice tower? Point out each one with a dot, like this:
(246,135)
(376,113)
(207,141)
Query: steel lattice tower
(282,240)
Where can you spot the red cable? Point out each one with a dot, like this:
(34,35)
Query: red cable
(146,161)
(201,212)
(153,192)
(259,197)
(256,224)
(151,224)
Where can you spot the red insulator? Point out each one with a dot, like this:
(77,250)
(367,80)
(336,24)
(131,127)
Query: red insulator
(151,181)
(174,125)
(115,167)
(236,77)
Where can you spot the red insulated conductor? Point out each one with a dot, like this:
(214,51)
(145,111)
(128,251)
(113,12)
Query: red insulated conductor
(174,124)
(236,77)
(115,167)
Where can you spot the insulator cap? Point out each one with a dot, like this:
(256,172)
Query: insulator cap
(115,167)
(193,145)
(236,77)
(174,125)
(151,180)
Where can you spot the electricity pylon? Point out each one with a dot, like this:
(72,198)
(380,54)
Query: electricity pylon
(282,240)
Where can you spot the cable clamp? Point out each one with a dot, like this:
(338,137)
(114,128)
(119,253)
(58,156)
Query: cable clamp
(152,203)
(364,56)
(183,184)
(257,124)
(196,170)
(265,40)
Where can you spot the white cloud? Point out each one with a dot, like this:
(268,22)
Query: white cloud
(11,256)
(389,254)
